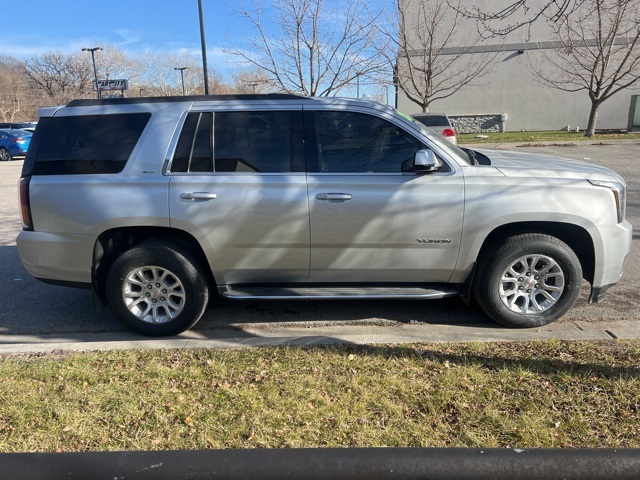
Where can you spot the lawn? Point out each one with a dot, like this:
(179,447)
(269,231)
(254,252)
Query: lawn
(548,136)
(527,394)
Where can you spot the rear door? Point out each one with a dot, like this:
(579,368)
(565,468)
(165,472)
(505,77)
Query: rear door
(238,185)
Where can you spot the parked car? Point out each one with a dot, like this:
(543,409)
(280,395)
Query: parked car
(28,126)
(159,204)
(13,143)
(438,122)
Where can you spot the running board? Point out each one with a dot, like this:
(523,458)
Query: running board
(241,292)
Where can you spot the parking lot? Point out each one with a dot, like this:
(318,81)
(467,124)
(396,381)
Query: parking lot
(28,307)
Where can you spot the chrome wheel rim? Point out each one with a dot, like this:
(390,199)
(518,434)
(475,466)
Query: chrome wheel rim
(153,294)
(531,284)
(5,156)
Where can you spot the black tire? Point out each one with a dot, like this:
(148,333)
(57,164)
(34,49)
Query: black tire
(157,289)
(5,156)
(527,281)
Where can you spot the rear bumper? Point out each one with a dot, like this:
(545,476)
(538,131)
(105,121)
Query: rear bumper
(57,258)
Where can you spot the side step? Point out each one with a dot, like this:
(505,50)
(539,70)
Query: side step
(242,292)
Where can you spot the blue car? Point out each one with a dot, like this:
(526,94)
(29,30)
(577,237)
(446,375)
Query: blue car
(13,143)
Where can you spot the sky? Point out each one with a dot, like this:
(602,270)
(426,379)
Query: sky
(39,26)
(133,26)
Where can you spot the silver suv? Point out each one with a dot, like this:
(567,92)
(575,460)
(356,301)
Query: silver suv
(158,205)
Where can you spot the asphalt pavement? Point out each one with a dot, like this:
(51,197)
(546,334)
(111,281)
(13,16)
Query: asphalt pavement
(35,317)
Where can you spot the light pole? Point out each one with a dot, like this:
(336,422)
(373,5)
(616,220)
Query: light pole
(141,90)
(253,86)
(182,69)
(204,50)
(93,59)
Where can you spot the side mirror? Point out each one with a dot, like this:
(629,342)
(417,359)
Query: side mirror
(426,161)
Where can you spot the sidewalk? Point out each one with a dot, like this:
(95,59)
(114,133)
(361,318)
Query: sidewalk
(356,335)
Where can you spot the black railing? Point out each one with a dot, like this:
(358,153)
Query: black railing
(329,464)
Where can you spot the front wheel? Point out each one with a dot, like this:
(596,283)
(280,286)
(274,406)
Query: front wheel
(528,281)
(5,156)
(157,289)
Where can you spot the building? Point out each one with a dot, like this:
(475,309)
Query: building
(509,96)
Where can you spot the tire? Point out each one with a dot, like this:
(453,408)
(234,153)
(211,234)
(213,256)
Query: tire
(157,289)
(5,156)
(528,281)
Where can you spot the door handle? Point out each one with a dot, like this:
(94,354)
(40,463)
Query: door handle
(340,197)
(198,196)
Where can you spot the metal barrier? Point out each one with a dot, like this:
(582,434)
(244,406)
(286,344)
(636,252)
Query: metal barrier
(327,464)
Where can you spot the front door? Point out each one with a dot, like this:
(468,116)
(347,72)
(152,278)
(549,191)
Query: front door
(374,220)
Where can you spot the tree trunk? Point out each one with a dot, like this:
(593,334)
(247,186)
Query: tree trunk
(593,119)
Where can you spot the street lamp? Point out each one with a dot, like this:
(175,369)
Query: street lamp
(253,86)
(182,69)
(204,50)
(141,90)
(93,59)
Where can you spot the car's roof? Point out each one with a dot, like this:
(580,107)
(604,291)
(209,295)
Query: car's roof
(14,131)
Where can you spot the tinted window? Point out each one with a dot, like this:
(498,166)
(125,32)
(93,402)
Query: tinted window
(433,120)
(355,142)
(243,142)
(194,152)
(258,142)
(86,144)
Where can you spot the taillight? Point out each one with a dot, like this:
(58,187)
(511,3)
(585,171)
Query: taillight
(448,132)
(25,204)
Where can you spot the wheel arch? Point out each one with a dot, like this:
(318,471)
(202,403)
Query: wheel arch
(575,236)
(114,242)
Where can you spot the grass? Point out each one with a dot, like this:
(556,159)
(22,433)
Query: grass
(547,136)
(533,394)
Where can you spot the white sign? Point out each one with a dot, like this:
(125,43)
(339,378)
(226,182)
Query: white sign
(108,85)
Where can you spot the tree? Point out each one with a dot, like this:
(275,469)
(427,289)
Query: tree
(62,77)
(426,69)
(252,80)
(599,52)
(12,89)
(516,15)
(159,77)
(306,47)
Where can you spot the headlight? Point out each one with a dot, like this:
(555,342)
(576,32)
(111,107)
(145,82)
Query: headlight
(619,193)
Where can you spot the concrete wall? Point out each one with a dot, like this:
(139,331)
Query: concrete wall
(511,89)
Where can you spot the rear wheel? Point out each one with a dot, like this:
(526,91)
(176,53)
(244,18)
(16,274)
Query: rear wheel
(528,281)
(5,156)
(157,289)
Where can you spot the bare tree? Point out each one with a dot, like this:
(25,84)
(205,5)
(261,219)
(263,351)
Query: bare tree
(516,15)
(314,50)
(599,52)
(62,77)
(159,77)
(13,90)
(428,68)
(252,80)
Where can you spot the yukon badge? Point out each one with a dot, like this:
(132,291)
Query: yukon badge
(433,240)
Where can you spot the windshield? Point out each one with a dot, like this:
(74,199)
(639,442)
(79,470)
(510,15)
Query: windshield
(433,136)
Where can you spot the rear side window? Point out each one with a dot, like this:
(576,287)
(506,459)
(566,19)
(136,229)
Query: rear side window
(255,142)
(433,120)
(85,144)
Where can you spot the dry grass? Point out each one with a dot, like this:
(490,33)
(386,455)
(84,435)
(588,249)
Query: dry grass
(541,394)
(547,136)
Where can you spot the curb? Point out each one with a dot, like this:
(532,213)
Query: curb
(297,336)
